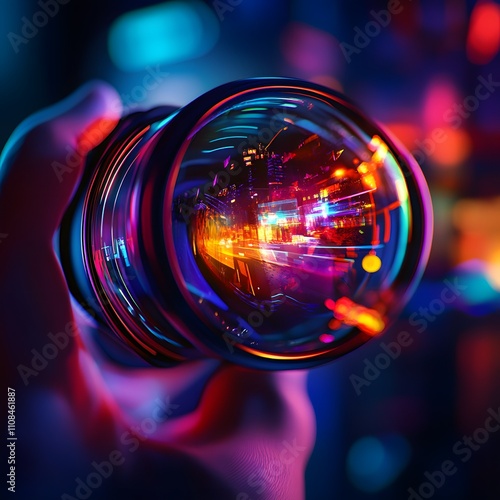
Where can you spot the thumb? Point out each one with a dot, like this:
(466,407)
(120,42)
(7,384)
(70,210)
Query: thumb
(43,160)
(34,297)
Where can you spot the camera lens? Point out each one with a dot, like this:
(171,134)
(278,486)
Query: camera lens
(268,222)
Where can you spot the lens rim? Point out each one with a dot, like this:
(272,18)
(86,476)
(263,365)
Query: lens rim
(103,160)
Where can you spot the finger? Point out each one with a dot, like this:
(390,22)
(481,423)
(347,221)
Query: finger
(43,160)
(250,424)
(35,304)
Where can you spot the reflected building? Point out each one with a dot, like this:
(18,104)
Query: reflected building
(266,171)
(275,174)
(299,194)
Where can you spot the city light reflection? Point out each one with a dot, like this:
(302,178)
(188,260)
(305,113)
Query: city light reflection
(302,227)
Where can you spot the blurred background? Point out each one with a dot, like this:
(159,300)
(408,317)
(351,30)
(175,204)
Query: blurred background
(430,72)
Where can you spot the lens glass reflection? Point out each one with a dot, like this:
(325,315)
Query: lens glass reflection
(290,222)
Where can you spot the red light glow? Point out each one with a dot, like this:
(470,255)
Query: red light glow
(483,39)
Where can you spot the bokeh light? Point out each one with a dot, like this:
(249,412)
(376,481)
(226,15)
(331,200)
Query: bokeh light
(162,34)
(483,39)
(454,150)
(371,263)
(310,50)
(373,463)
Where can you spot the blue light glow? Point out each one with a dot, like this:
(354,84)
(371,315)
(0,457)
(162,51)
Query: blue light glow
(479,290)
(229,137)
(162,34)
(374,463)
(251,127)
(217,149)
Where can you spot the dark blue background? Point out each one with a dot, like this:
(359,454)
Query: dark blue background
(380,442)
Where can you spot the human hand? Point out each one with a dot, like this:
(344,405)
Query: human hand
(247,435)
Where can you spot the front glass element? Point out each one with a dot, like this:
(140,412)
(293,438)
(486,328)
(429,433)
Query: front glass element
(291,221)
(268,222)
